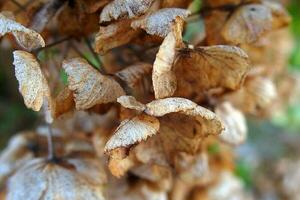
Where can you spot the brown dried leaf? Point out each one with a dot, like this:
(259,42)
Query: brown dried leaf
(210,67)
(234,121)
(133,74)
(133,131)
(32,84)
(159,23)
(280,17)
(64,102)
(124,8)
(90,87)
(114,35)
(70,179)
(131,103)
(25,37)
(247,24)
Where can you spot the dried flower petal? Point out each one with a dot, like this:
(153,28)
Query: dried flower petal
(159,23)
(163,78)
(27,38)
(247,24)
(234,121)
(72,179)
(210,67)
(32,83)
(132,131)
(121,8)
(131,103)
(114,35)
(90,87)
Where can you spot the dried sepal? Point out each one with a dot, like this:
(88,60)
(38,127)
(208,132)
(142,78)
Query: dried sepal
(32,84)
(69,179)
(132,131)
(234,121)
(124,8)
(133,74)
(210,67)
(131,103)
(64,102)
(247,24)
(280,16)
(114,35)
(89,86)
(25,37)
(159,23)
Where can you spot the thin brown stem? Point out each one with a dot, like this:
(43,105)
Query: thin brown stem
(51,153)
(36,51)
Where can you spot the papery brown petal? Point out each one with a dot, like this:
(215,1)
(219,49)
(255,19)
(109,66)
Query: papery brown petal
(133,74)
(64,102)
(159,23)
(32,84)
(280,16)
(210,67)
(234,121)
(25,37)
(247,24)
(124,8)
(89,86)
(133,131)
(114,35)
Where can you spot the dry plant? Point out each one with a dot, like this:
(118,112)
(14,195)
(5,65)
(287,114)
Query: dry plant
(142,105)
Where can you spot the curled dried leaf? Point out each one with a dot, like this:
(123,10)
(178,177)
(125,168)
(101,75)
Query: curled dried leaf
(247,24)
(133,74)
(89,86)
(133,131)
(159,23)
(25,37)
(32,83)
(124,8)
(210,67)
(163,78)
(70,179)
(234,121)
(114,35)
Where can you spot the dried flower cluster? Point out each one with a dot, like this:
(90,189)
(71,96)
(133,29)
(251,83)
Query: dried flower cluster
(140,113)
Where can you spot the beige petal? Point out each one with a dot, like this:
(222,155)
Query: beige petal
(124,8)
(133,74)
(204,68)
(26,38)
(133,131)
(89,86)
(114,35)
(69,179)
(159,23)
(234,121)
(131,103)
(247,24)
(32,83)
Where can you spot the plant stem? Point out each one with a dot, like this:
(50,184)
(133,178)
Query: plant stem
(51,153)
(36,51)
